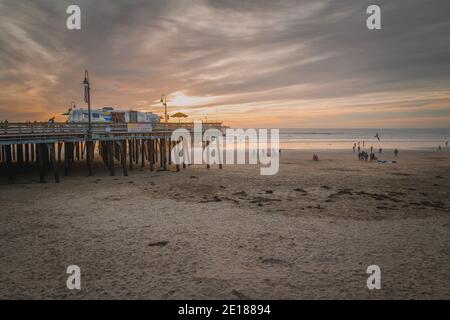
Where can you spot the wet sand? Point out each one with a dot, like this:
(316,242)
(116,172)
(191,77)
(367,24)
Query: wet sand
(308,232)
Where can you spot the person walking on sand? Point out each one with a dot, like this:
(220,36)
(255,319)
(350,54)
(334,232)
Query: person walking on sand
(396,152)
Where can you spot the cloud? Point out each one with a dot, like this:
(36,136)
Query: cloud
(278,59)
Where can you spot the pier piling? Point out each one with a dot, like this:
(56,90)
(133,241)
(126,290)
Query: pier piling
(8,161)
(53,162)
(89,156)
(111,157)
(41,161)
(123,155)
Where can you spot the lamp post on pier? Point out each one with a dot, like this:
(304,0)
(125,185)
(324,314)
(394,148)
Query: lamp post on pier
(163,141)
(87,99)
(89,143)
(164,103)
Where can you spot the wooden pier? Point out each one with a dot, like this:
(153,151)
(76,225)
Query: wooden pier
(55,146)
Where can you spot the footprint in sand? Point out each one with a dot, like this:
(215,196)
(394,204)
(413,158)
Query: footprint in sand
(239,295)
(276,262)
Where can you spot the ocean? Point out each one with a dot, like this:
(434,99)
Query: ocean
(405,139)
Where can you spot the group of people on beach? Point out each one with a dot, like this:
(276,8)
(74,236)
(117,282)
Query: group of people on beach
(446,146)
(364,155)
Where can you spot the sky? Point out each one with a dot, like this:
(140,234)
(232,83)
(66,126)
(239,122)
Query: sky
(249,63)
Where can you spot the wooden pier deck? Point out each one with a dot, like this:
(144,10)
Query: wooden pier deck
(49,146)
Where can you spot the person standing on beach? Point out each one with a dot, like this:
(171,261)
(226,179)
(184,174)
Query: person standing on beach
(363,143)
(440,148)
(354,148)
(380,150)
(396,152)
(371,149)
(446,144)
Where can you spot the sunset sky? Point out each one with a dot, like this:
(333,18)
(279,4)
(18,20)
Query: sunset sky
(250,63)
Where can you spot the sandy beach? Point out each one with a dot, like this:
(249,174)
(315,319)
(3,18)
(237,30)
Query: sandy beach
(308,232)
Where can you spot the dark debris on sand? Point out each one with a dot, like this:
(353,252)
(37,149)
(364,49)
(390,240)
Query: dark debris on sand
(158,244)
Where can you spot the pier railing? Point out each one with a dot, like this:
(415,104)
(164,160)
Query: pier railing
(61,131)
